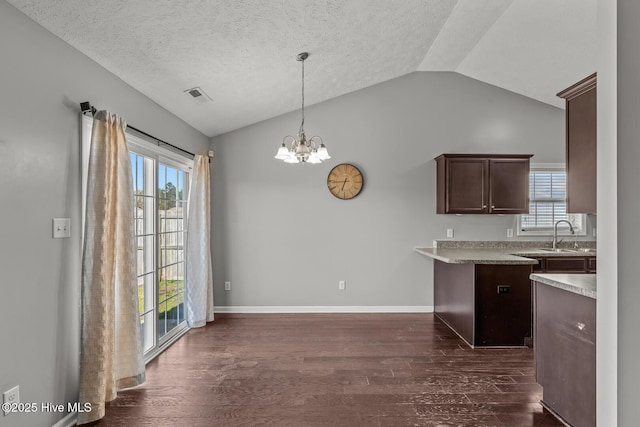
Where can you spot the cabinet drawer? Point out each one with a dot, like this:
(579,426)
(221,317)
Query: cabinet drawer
(565,265)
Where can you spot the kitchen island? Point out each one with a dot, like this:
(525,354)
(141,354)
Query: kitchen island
(565,345)
(482,290)
(485,304)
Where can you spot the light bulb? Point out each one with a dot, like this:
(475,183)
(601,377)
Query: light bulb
(323,153)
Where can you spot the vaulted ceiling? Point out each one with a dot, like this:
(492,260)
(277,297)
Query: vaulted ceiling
(242,53)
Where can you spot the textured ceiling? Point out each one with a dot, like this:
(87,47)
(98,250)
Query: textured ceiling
(242,53)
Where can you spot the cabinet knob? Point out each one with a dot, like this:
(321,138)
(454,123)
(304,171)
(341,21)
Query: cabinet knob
(493,206)
(484,206)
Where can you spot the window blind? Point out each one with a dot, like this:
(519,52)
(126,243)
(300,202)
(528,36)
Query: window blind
(547,202)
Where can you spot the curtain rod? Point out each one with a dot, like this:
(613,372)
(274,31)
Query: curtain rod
(86,107)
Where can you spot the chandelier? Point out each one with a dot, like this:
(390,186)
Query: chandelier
(299,148)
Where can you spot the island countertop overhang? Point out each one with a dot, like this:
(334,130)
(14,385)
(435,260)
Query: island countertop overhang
(582,284)
(475,256)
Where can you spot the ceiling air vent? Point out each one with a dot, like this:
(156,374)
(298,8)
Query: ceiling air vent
(198,94)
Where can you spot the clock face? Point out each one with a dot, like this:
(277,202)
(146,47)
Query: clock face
(345,181)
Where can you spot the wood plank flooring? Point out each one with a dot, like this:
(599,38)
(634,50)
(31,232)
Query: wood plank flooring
(332,370)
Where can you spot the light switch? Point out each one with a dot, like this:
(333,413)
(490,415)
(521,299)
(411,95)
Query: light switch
(61,228)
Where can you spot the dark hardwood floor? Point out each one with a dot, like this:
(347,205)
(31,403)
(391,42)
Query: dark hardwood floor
(332,370)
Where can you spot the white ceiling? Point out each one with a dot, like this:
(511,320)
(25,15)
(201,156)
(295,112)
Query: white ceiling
(242,53)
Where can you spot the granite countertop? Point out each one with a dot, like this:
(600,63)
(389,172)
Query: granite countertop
(490,252)
(582,284)
(475,256)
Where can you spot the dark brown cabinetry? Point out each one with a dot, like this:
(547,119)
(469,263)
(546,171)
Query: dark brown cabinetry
(487,305)
(565,353)
(482,183)
(581,144)
(572,264)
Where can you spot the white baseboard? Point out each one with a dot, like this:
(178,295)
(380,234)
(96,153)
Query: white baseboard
(246,309)
(68,421)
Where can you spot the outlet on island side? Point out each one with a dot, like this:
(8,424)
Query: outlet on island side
(504,289)
(227,286)
(342,285)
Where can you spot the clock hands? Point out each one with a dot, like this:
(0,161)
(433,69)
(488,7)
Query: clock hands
(340,176)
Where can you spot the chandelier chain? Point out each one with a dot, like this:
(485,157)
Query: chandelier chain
(302,124)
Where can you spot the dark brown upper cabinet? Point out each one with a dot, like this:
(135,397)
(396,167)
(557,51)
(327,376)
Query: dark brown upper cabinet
(483,183)
(581,145)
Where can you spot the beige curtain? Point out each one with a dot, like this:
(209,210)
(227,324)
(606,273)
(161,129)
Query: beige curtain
(199,274)
(111,348)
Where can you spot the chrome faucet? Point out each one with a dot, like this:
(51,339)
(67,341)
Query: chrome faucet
(555,231)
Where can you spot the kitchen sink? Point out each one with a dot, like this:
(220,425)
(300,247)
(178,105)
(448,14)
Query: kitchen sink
(570,251)
(587,250)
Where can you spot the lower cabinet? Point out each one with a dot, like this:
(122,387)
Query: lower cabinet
(568,264)
(565,353)
(486,304)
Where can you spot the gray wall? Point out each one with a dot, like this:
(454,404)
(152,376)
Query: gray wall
(42,81)
(609,209)
(282,239)
(628,209)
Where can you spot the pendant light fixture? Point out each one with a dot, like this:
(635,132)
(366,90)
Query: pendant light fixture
(301,149)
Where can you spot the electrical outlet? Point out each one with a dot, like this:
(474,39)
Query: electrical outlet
(450,233)
(342,285)
(227,286)
(61,228)
(435,244)
(509,232)
(11,397)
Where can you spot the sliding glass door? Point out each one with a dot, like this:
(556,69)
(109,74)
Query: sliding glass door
(172,209)
(161,191)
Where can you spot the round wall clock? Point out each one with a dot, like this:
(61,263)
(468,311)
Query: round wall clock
(345,181)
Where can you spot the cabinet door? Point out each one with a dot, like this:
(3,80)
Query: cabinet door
(466,189)
(509,186)
(581,113)
(581,153)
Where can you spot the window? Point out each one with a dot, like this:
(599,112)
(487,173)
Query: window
(160,186)
(548,203)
